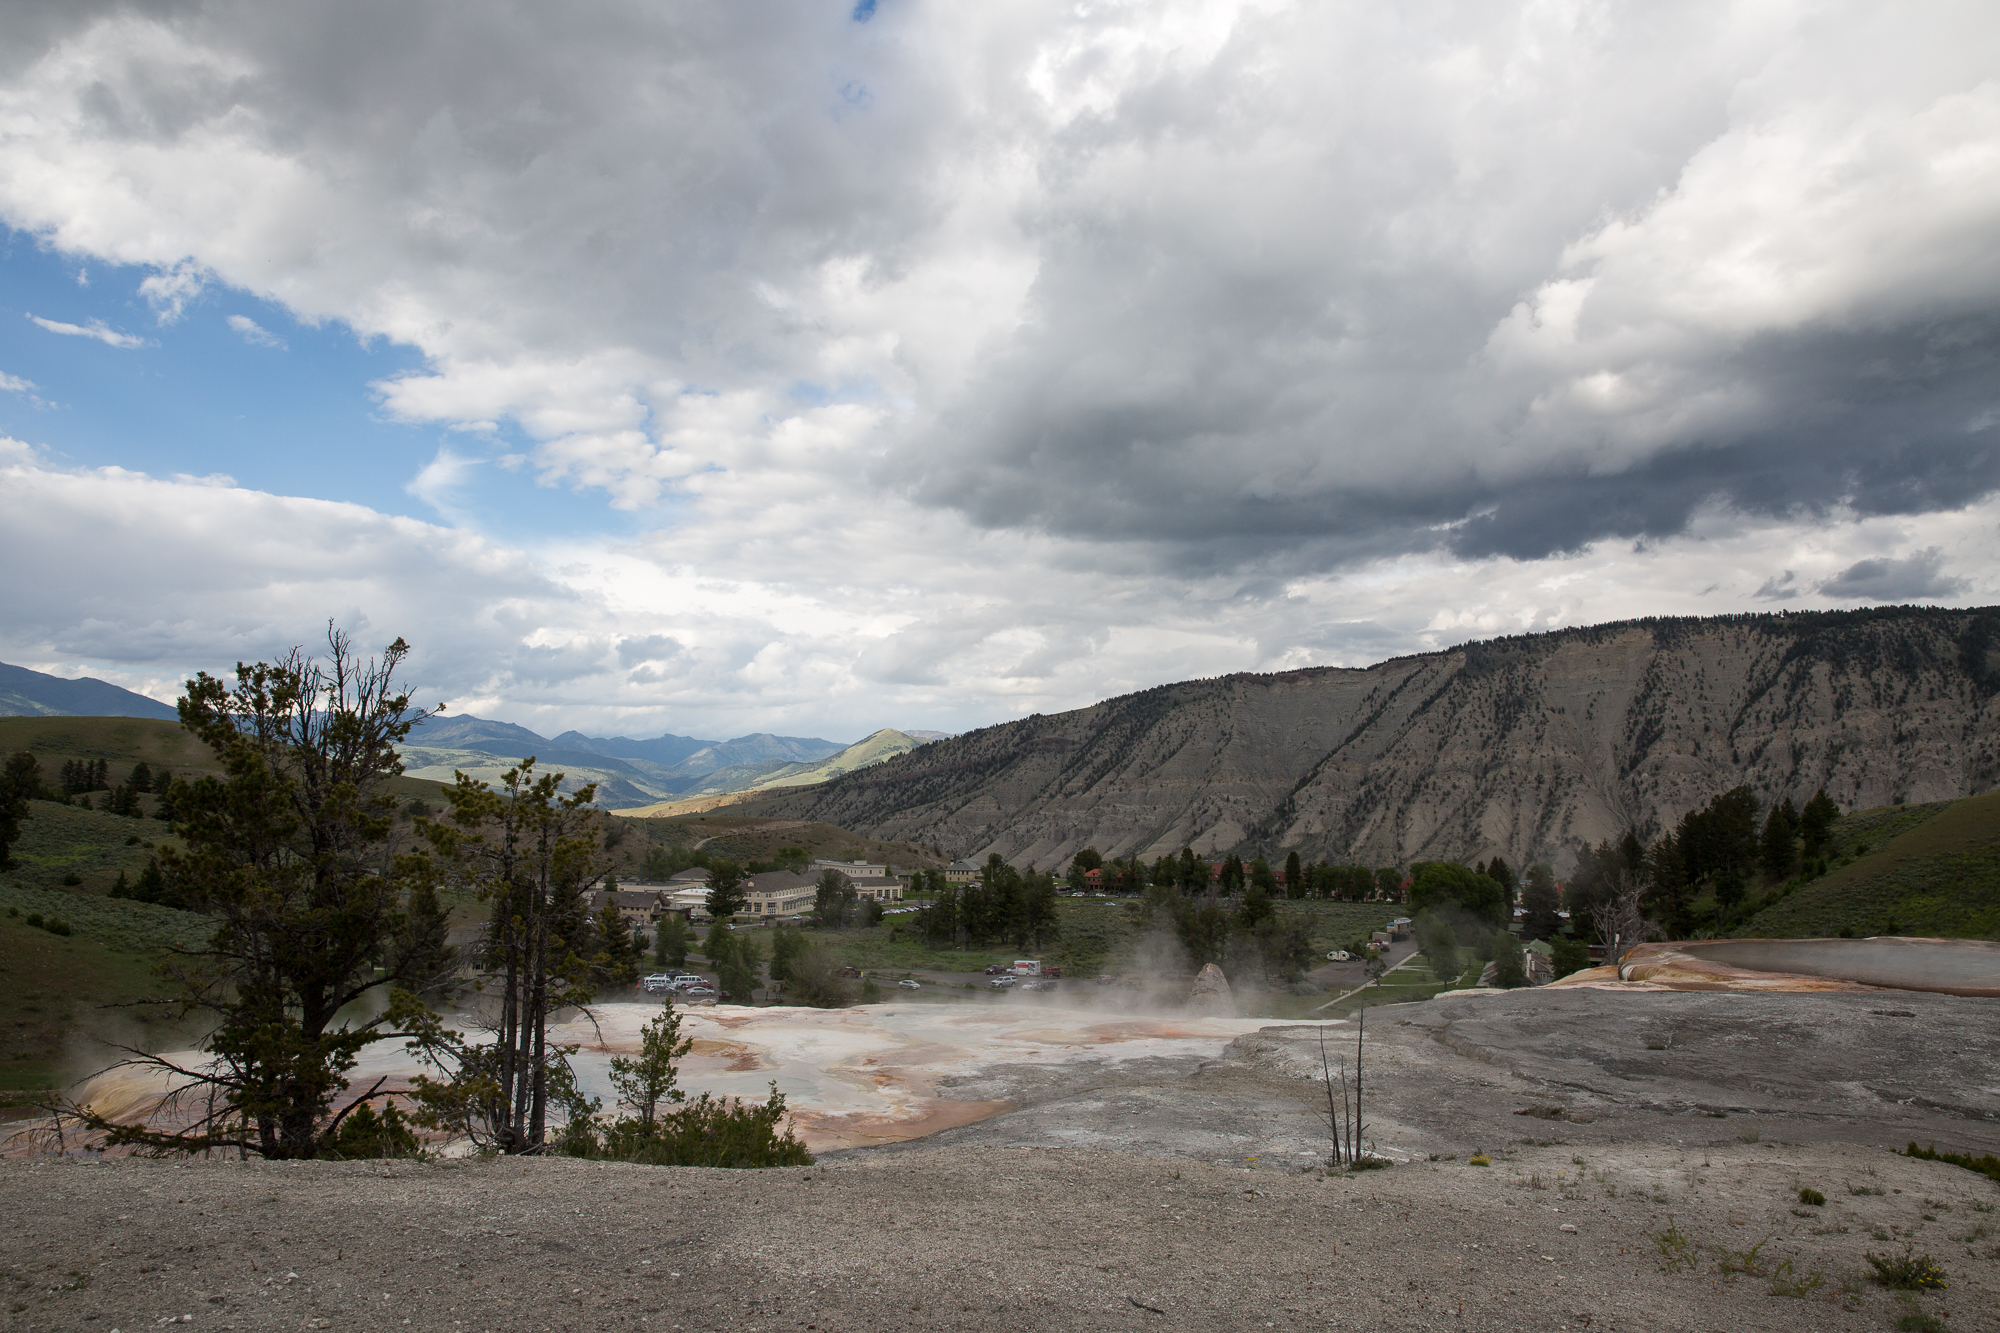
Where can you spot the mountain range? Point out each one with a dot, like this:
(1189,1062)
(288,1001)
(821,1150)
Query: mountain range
(1525,747)
(633,773)
(25,693)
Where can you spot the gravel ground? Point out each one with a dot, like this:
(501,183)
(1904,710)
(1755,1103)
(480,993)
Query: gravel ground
(1636,1194)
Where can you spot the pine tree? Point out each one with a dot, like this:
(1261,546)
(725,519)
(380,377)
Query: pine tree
(1780,843)
(288,855)
(1540,901)
(1294,876)
(1816,823)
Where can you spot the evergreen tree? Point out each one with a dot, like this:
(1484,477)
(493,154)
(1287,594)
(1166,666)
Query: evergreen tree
(1194,873)
(833,899)
(1389,884)
(1816,824)
(647,1082)
(725,889)
(1539,899)
(619,960)
(736,973)
(20,782)
(1503,874)
(670,941)
(1256,907)
(787,943)
(1295,886)
(142,777)
(1232,875)
(287,853)
(1780,848)
(532,852)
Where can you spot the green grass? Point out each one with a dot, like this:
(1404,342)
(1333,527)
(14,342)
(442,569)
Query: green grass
(1099,935)
(1928,870)
(62,998)
(59,841)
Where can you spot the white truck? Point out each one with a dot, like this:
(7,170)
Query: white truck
(1027,967)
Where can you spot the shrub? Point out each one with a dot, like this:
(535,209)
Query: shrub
(1906,1271)
(1568,955)
(707,1131)
(1812,1197)
(365,1134)
(1988,1165)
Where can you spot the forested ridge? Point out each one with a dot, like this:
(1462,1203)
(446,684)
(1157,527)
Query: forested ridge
(1529,746)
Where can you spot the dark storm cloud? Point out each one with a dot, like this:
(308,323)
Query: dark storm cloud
(1912,578)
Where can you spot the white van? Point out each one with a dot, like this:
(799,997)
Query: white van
(1027,967)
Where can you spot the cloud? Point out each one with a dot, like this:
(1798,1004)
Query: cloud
(1918,577)
(170,291)
(253,332)
(1213,283)
(95,329)
(986,360)
(15,384)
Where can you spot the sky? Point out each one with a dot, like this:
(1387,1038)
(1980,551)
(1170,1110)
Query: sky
(820,367)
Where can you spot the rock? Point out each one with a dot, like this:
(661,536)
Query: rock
(1210,995)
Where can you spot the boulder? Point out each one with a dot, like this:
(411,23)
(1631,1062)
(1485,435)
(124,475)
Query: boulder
(1210,995)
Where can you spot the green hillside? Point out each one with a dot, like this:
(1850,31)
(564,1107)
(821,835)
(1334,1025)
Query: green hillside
(124,741)
(1915,870)
(884,744)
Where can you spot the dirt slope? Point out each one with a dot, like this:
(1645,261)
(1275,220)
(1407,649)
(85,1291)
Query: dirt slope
(1522,746)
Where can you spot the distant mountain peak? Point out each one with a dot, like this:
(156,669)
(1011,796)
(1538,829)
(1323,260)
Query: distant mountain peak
(25,693)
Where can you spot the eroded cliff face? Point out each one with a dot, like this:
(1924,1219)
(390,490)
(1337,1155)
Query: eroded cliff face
(1523,747)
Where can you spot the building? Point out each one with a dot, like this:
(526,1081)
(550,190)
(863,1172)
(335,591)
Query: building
(961,873)
(639,905)
(852,869)
(876,888)
(779,893)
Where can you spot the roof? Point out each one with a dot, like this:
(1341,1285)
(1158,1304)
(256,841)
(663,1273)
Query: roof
(779,881)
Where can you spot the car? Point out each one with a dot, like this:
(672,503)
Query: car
(657,982)
(907,984)
(998,970)
(1004,981)
(1051,971)
(1038,984)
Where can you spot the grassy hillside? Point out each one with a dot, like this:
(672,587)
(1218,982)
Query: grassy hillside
(749,839)
(124,741)
(718,791)
(62,997)
(119,741)
(1915,870)
(65,999)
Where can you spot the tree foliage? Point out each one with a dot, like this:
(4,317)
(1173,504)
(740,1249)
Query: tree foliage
(20,782)
(288,852)
(531,852)
(726,893)
(1441,884)
(1004,905)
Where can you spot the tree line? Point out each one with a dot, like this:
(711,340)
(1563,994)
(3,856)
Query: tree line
(1190,873)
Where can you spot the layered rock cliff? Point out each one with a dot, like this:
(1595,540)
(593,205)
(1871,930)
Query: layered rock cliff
(1525,747)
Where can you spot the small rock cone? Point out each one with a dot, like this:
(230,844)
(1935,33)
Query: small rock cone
(1210,996)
